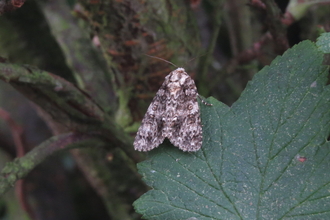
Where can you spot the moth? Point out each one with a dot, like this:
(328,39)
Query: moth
(174,114)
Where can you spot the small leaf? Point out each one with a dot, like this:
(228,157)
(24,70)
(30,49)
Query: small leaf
(249,166)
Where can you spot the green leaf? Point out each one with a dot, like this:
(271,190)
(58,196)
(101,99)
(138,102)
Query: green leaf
(266,157)
(323,42)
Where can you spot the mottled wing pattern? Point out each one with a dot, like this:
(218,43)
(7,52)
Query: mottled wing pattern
(187,128)
(149,134)
(173,114)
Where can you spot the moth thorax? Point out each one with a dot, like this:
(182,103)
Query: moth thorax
(174,87)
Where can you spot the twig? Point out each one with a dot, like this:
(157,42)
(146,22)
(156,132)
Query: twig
(66,104)
(20,167)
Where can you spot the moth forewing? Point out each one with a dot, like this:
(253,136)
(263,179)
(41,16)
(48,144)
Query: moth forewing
(174,114)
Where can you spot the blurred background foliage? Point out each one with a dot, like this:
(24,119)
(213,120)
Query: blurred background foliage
(100,46)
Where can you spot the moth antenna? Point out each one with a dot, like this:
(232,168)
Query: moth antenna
(194,58)
(161,59)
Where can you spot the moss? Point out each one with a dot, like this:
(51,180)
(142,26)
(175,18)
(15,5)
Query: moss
(9,168)
(27,163)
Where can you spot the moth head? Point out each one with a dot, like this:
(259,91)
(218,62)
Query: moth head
(178,75)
